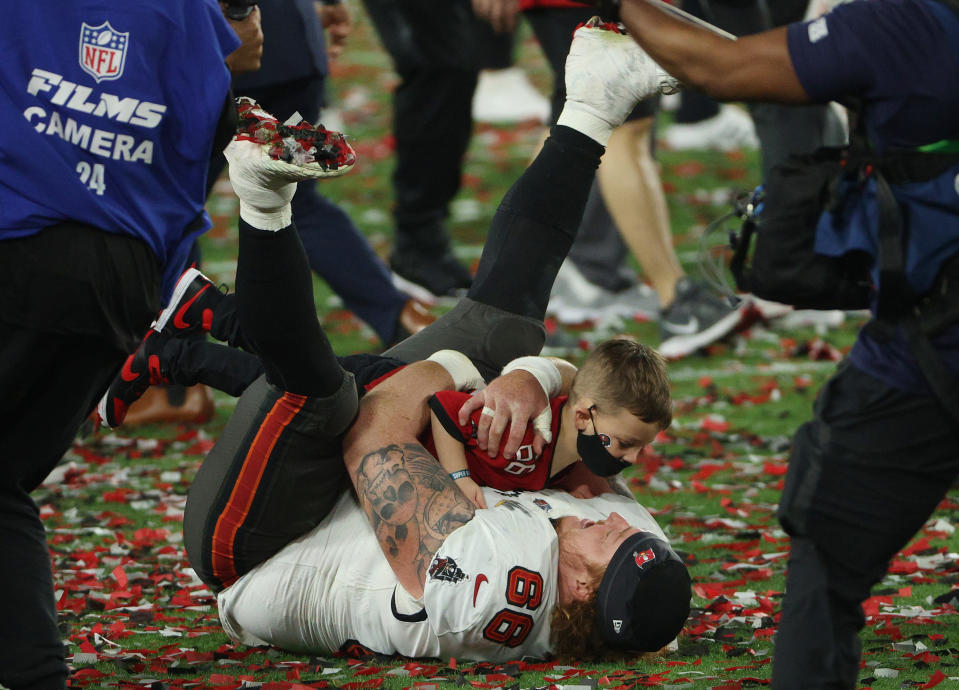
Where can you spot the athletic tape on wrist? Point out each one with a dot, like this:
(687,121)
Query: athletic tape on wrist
(543,423)
(545,371)
(261,219)
(583,119)
(461,369)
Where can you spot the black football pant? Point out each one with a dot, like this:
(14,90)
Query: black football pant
(432,45)
(73,300)
(864,476)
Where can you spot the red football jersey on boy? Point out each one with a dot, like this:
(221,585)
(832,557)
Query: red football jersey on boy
(523,472)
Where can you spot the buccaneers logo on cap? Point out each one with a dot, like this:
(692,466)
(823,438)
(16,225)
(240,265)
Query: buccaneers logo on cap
(643,557)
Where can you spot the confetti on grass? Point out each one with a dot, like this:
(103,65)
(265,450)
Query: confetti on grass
(135,616)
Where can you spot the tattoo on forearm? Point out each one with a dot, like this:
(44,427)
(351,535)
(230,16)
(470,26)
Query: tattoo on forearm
(413,503)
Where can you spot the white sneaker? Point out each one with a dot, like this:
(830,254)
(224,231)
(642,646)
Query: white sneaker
(670,102)
(506,95)
(732,128)
(575,299)
(787,316)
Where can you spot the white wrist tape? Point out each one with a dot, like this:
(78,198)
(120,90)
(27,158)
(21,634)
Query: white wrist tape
(266,219)
(586,120)
(543,423)
(545,371)
(464,373)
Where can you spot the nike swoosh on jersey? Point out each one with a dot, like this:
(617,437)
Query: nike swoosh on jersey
(688,328)
(480,579)
(178,318)
(127,373)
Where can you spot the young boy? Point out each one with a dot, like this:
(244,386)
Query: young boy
(620,397)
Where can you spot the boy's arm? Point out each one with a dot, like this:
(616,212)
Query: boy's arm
(452,456)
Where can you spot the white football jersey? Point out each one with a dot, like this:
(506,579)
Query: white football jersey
(489,592)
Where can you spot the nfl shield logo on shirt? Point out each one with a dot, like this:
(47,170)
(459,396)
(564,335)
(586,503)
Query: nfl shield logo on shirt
(103,50)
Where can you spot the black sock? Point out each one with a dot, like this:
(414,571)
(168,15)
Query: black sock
(277,313)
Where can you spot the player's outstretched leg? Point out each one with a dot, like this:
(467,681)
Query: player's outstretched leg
(607,73)
(268,158)
(277,468)
(273,283)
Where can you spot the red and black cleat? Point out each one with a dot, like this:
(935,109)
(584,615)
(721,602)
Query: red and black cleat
(299,144)
(191,307)
(141,370)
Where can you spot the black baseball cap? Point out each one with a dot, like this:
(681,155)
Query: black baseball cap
(643,599)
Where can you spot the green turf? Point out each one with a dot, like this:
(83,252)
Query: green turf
(115,518)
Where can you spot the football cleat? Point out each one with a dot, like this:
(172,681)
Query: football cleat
(191,307)
(295,141)
(141,370)
(608,73)
(668,84)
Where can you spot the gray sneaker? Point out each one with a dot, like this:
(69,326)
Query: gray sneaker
(696,318)
(575,299)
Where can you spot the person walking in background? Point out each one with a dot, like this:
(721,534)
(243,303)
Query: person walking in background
(432,45)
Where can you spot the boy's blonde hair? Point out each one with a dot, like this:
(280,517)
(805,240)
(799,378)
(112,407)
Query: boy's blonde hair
(621,373)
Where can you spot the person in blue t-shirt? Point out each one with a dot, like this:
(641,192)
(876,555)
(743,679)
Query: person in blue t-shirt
(882,448)
(109,122)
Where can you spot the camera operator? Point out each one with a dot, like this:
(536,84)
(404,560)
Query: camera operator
(103,161)
(244,17)
(882,448)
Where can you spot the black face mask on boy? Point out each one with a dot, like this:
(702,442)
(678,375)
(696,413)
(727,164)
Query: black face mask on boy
(592,450)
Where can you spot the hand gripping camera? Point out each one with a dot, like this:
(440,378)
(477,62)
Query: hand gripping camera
(238,10)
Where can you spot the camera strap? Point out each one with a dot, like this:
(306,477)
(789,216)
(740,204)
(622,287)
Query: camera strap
(898,305)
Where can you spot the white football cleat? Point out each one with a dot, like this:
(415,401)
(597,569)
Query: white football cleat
(607,74)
